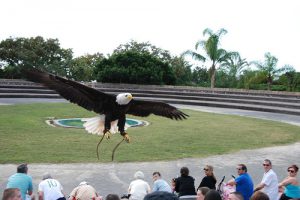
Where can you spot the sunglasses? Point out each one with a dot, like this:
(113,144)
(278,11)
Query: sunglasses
(205,169)
(239,169)
(266,165)
(292,171)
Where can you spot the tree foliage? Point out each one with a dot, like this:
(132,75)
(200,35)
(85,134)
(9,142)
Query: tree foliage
(34,52)
(269,68)
(82,68)
(233,67)
(134,67)
(212,51)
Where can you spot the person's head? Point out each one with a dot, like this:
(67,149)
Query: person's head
(161,195)
(12,194)
(267,164)
(212,195)
(292,170)
(156,176)
(184,171)
(139,175)
(241,169)
(208,170)
(201,192)
(46,176)
(235,196)
(259,195)
(112,197)
(22,168)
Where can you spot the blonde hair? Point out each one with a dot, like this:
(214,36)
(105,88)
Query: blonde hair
(211,169)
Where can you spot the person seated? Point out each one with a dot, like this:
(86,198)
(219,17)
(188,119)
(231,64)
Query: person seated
(185,184)
(212,195)
(201,192)
(112,197)
(235,196)
(160,195)
(290,184)
(12,194)
(138,188)
(259,195)
(209,180)
(50,188)
(22,181)
(159,184)
(84,191)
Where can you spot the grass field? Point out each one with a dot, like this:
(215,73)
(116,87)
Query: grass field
(25,137)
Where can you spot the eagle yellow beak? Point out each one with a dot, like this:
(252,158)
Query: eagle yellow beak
(130,96)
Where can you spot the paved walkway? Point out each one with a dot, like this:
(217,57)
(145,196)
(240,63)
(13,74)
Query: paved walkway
(115,177)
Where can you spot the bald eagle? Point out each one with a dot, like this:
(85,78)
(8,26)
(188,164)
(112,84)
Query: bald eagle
(112,108)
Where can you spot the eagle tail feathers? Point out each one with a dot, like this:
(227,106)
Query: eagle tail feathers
(95,125)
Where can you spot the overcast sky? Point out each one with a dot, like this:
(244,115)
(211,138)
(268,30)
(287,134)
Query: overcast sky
(89,26)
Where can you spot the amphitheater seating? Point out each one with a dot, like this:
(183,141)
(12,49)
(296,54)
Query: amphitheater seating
(266,101)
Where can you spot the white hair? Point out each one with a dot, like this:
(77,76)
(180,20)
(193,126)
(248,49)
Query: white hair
(139,175)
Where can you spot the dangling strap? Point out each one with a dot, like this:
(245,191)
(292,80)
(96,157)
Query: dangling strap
(98,146)
(113,153)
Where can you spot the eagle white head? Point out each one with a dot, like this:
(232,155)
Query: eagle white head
(123,98)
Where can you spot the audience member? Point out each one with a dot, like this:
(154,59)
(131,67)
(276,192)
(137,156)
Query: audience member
(269,182)
(212,195)
(160,195)
(12,194)
(22,181)
(160,184)
(201,192)
(258,195)
(291,184)
(235,196)
(185,184)
(138,188)
(209,179)
(50,189)
(243,182)
(84,191)
(112,197)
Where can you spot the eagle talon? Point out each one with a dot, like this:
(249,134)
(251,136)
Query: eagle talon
(126,138)
(107,134)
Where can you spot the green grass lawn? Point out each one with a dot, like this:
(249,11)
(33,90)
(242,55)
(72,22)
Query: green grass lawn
(25,137)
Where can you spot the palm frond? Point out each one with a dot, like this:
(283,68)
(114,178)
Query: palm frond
(194,55)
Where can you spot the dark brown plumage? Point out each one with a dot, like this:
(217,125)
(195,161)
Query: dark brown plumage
(111,106)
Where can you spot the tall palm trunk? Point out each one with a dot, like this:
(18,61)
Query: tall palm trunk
(213,76)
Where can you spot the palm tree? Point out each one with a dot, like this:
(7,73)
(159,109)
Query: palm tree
(269,67)
(234,67)
(212,50)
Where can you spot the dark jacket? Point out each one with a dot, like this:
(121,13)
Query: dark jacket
(185,185)
(208,181)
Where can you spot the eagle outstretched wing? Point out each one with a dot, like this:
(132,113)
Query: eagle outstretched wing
(84,96)
(145,108)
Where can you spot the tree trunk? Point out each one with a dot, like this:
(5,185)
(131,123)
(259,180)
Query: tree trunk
(269,83)
(213,77)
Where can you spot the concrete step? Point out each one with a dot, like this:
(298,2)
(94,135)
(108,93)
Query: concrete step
(255,107)
(286,103)
(273,109)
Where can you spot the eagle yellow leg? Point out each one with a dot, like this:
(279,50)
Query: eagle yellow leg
(126,137)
